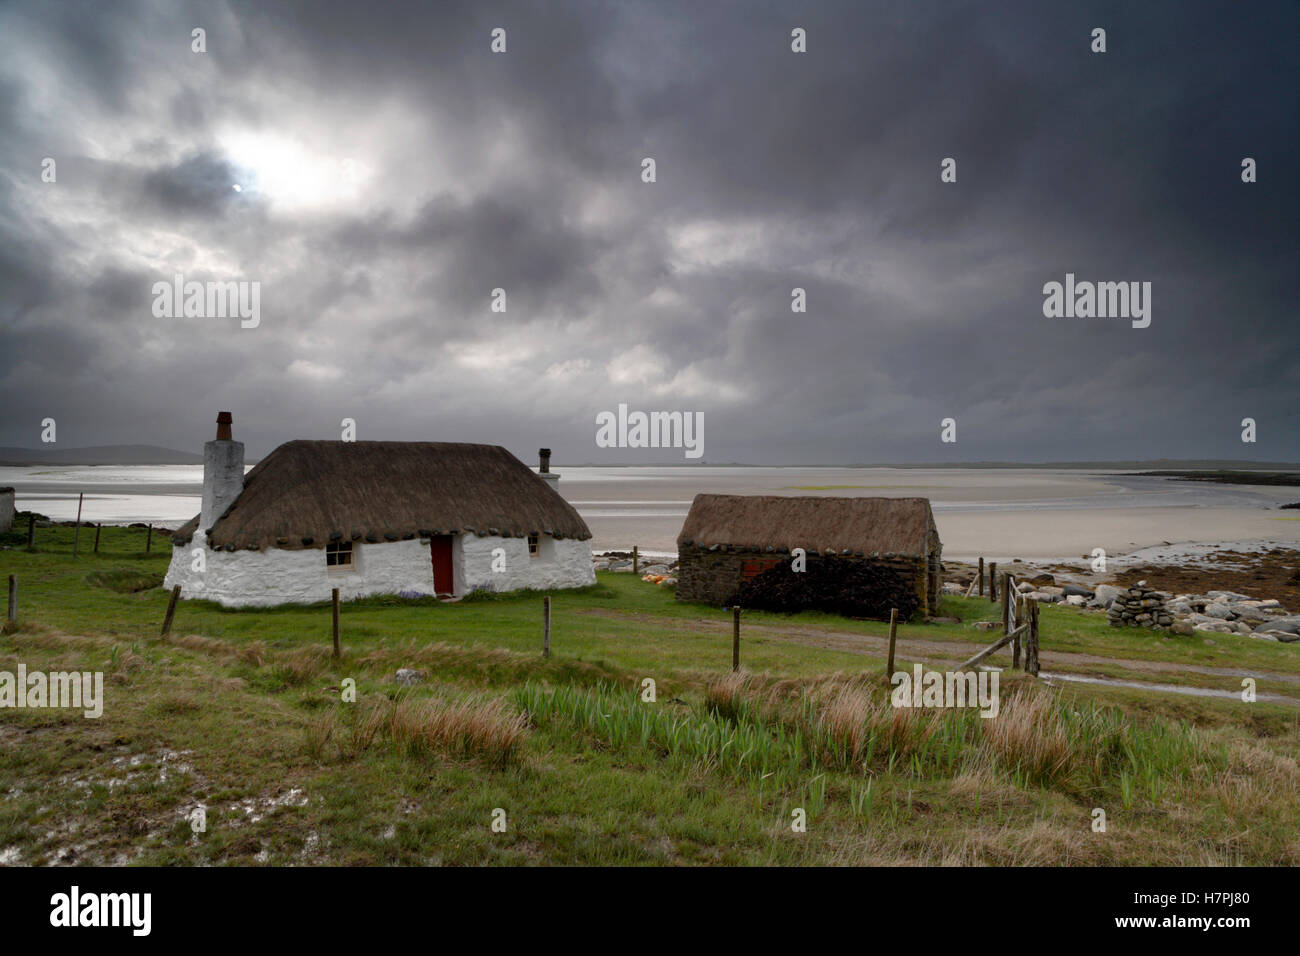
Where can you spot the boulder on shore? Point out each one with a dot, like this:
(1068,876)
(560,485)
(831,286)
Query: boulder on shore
(1106,593)
(1280,625)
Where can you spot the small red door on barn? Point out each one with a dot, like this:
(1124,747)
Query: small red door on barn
(440,546)
(755,567)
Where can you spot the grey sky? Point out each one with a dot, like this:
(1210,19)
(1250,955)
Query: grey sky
(394,171)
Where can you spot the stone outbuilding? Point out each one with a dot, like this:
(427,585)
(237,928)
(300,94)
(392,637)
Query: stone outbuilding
(727,539)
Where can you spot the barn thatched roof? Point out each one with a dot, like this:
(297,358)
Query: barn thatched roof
(901,526)
(308,493)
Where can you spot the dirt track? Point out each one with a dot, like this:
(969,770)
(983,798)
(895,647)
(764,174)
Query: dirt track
(937,651)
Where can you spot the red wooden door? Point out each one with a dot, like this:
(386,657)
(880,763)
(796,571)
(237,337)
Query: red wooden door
(440,546)
(755,567)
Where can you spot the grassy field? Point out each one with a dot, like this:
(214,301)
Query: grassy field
(243,713)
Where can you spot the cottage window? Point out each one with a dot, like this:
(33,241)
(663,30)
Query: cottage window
(534,546)
(338,556)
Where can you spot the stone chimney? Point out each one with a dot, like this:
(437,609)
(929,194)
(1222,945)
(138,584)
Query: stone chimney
(223,473)
(544,469)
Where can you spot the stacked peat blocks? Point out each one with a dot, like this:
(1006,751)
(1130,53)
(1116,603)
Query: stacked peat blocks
(1139,606)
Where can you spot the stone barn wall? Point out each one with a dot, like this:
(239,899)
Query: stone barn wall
(712,575)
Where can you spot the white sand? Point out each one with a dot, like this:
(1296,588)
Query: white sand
(1032,514)
(1071,535)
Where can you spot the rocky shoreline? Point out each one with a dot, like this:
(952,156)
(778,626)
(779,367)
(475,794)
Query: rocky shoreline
(1142,603)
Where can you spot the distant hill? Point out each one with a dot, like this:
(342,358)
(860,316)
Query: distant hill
(1180,464)
(1236,476)
(100,455)
(154,455)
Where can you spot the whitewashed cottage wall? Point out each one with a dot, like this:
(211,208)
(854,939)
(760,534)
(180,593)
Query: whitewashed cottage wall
(276,576)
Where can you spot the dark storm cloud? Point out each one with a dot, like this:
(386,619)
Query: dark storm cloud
(469,241)
(199,185)
(522,171)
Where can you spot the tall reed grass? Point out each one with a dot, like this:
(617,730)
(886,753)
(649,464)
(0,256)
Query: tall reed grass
(751,727)
(475,727)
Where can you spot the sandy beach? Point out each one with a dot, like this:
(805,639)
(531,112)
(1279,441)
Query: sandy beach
(1000,514)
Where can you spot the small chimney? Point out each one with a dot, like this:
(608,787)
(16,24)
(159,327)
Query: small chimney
(544,468)
(223,473)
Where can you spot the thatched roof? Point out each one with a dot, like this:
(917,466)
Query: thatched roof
(901,526)
(308,493)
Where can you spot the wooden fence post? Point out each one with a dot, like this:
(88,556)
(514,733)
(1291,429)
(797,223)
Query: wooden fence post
(1031,645)
(76,537)
(148,539)
(893,636)
(981,578)
(735,639)
(334,600)
(636,560)
(98,528)
(1021,618)
(31,532)
(1006,602)
(993,582)
(546,626)
(997,645)
(12,615)
(171,611)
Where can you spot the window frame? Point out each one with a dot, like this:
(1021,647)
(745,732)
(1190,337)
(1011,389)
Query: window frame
(335,550)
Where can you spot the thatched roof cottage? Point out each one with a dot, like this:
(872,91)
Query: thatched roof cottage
(727,539)
(374,518)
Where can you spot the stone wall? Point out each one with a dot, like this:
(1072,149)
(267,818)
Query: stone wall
(712,575)
(1139,606)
